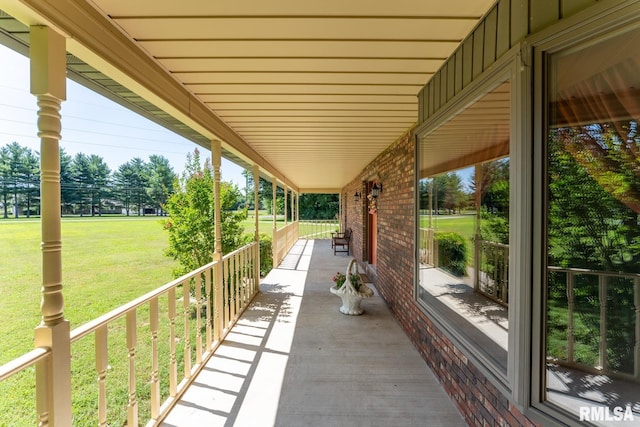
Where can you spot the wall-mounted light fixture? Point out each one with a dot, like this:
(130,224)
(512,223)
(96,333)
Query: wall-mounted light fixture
(376,190)
(356,197)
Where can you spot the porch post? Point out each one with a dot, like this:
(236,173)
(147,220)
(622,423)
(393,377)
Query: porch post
(48,84)
(256,208)
(477,246)
(340,228)
(286,194)
(274,188)
(216,161)
(256,200)
(297,206)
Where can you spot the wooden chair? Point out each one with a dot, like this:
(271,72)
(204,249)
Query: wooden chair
(343,240)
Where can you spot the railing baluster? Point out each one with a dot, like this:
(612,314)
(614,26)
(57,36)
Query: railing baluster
(602,294)
(243,278)
(505,275)
(187,328)
(218,295)
(570,282)
(198,292)
(102,363)
(226,312)
(132,406)
(173,365)
(236,275)
(208,306)
(155,382)
(232,289)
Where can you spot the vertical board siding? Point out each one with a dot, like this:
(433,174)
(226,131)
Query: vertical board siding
(490,34)
(458,76)
(542,13)
(436,91)
(421,114)
(504,26)
(478,50)
(467,58)
(451,79)
(570,7)
(519,20)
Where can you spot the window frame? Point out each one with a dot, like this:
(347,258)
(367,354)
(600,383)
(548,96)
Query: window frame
(588,27)
(508,68)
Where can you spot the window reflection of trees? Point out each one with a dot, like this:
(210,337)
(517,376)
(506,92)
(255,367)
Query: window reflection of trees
(593,206)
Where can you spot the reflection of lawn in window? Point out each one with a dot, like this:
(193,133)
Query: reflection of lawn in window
(463,224)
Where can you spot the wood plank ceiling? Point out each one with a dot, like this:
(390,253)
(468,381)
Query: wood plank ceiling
(319,89)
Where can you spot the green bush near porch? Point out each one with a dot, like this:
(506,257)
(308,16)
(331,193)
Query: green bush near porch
(452,252)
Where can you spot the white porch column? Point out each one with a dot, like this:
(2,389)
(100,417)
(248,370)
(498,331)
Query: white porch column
(256,209)
(274,188)
(48,84)
(293,211)
(256,200)
(477,252)
(297,206)
(341,228)
(286,194)
(218,303)
(216,162)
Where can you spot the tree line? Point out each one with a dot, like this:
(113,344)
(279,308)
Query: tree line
(312,206)
(87,185)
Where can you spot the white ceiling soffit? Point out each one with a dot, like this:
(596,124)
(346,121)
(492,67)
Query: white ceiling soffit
(318,89)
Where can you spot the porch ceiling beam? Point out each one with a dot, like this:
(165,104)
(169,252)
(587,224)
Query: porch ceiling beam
(92,38)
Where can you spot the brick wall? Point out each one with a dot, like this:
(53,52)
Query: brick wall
(477,399)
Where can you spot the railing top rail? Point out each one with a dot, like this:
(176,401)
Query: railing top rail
(94,324)
(237,251)
(594,272)
(500,245)
(23,362)
(289,225)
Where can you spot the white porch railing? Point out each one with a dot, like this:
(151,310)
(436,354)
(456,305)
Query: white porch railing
(573,276)
(283,239)
(428,253)
(200,308)
(318,228)
(492,279)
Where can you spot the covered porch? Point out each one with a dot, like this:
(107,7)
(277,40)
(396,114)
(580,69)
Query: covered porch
(292,356)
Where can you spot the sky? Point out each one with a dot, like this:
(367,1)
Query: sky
(91,124)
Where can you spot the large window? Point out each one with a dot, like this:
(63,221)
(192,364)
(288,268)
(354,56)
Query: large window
(463,227)
(592,244)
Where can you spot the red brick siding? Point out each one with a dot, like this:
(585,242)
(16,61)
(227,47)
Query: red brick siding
(477,399)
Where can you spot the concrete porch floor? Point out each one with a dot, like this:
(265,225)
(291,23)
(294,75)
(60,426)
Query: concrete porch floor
(293,359)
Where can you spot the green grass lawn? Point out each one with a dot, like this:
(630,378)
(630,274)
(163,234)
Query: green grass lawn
(461,224)
(106,263)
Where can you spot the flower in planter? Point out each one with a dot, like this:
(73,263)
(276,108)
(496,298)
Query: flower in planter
(340,278)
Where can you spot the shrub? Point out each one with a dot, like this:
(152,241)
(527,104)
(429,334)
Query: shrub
(266,251)
(191,223)
(266,254)
(452,253)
